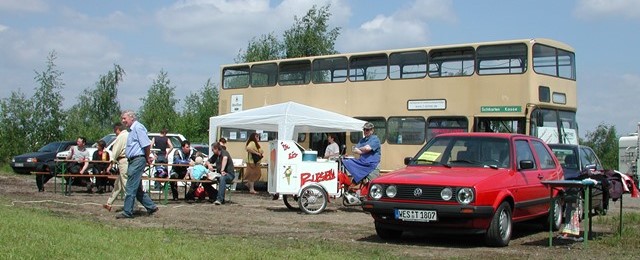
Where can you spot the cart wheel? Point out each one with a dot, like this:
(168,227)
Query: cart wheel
(313,199)
(289,205)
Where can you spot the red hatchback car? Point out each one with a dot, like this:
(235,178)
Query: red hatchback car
(478,183)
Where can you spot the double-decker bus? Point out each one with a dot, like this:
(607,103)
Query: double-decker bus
(523,86)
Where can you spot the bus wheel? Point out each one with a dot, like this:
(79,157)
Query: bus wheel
(313,199)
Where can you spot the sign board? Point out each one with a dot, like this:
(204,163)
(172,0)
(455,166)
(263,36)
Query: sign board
(500,109)
(236,103)
(427,104)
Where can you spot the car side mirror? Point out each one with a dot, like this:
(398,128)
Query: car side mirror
(526,164)
(408,160)
(590,167)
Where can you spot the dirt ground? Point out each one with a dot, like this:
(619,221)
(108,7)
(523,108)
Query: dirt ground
(259,215)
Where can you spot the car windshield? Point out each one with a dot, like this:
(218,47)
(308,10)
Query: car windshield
(51,147)
(465,151)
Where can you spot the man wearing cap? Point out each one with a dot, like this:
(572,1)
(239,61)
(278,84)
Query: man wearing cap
(137,152)
(369,150)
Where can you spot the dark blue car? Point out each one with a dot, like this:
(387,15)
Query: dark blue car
(40,160)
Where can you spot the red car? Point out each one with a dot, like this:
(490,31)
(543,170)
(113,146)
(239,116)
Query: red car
(477,183)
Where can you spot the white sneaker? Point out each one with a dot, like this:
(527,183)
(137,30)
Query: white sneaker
(217,202)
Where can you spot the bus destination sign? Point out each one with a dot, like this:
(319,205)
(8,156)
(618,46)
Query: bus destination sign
(500,109)
(427,104)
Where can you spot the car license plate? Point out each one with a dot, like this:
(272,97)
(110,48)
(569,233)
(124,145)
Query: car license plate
(416,215)
(19,165)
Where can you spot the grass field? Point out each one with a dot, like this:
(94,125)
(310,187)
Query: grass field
(38,234)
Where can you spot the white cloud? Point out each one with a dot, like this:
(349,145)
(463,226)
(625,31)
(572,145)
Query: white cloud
(592,9)
(114,20)
(23,5)
(226,26)
(3,28)
(405,28)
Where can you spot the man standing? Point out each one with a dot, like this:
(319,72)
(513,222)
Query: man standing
(224,166)
(137,152)
(120,158)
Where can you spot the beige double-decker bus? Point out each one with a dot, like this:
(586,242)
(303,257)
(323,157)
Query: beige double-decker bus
(523,86)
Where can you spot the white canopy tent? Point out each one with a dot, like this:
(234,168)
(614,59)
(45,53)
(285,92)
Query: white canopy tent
(288,119)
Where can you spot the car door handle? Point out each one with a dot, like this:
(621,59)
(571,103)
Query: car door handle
(540,177)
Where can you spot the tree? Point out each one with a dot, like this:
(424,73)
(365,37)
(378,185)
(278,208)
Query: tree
(604,143)
(97,108)
(15,118)
(267,47)
(310,35)
(198,107)
(47,114)
(158,108)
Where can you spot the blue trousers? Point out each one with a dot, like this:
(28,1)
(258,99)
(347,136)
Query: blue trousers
(134,187)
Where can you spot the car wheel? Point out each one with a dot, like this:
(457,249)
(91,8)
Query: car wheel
(499,232)
(557,215)
(287,203)
(387,234)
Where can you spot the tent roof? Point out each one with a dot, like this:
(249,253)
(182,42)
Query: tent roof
(288,119)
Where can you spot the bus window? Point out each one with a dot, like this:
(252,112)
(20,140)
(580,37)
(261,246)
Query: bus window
(294,73)
(554,62)
(263,75)
(441,125)
(500,125)
(370,67)
(379,129)
(235,77)
(502,59)
(566,64)
(329,70)
(406,130)
(408,65)
(451,62)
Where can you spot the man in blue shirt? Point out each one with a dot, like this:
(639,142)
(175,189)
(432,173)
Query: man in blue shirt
(137,152)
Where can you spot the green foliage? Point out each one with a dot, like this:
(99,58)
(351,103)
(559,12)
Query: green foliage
(47,100)
(266,47)
(310,35)
(158,108)
(198,107)
(604,142)
(97,108)
(15,118)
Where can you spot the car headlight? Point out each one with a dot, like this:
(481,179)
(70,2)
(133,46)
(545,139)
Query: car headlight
(33,160)
(465,195)
(375,192)
(392,191)
(13,159)
(446,194)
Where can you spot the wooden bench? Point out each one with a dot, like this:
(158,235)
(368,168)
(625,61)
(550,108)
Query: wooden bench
(71,176)
(166,182)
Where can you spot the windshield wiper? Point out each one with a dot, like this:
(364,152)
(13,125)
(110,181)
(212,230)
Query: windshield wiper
(433,162)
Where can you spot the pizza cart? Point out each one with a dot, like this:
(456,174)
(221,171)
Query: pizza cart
(300,177)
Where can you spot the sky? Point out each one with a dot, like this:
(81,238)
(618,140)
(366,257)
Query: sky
(191,39)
